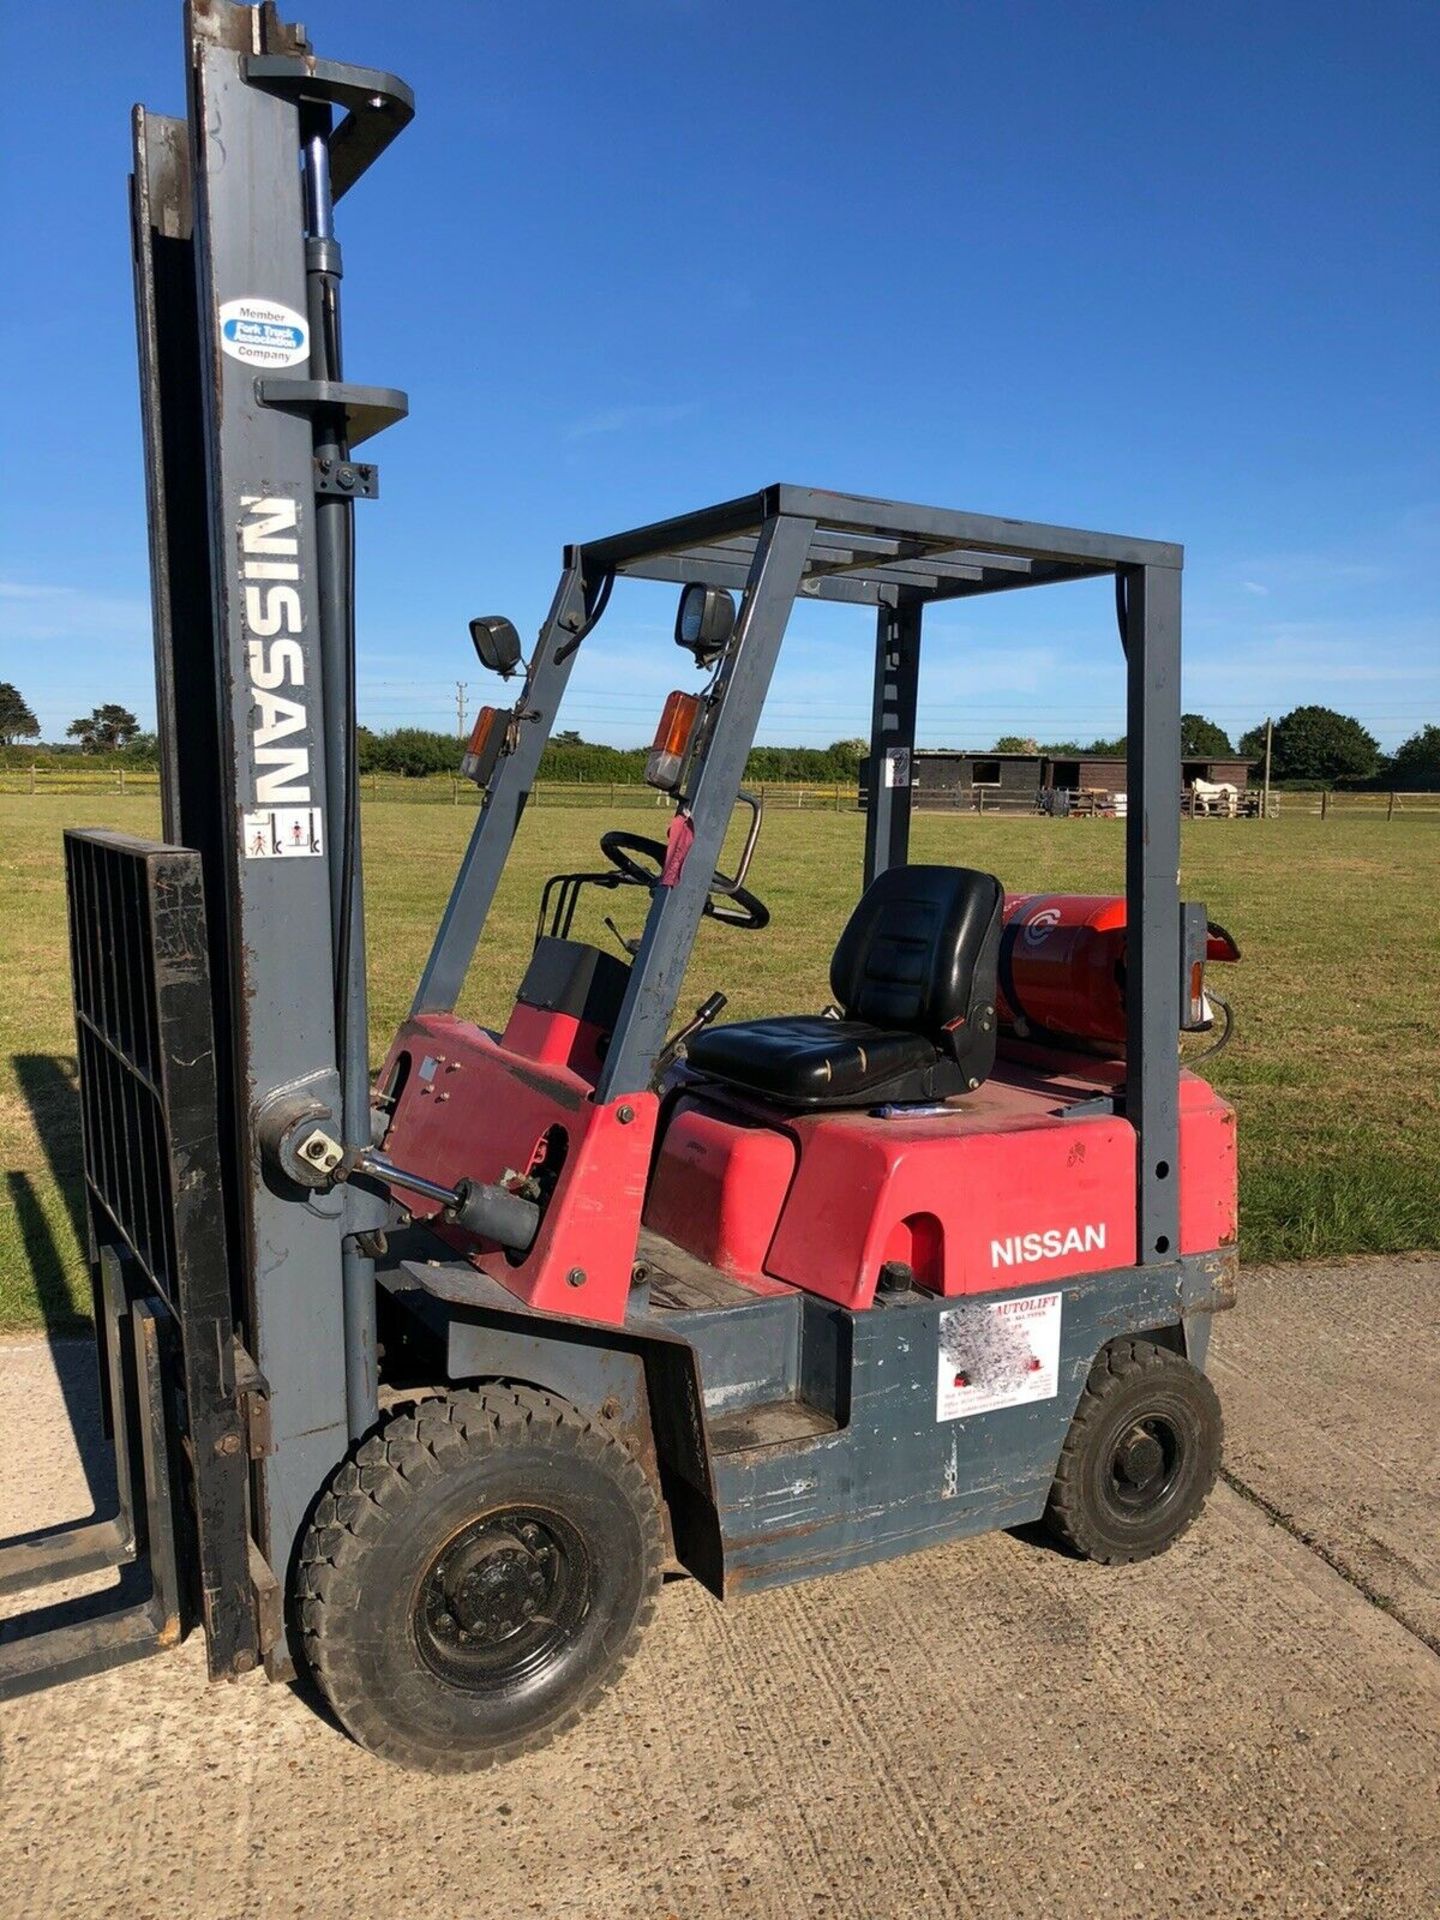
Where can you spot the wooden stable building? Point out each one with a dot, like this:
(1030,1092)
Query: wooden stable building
(945,777)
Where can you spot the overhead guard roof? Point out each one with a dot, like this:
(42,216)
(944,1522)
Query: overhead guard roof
(871,551)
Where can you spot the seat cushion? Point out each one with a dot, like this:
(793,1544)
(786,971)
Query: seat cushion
(806,1061)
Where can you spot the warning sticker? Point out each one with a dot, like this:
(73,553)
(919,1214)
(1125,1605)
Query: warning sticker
(282,833)
(261,333)
(998,1356)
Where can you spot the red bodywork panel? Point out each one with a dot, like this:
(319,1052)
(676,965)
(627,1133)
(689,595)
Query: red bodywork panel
(1003,1191)
(473,1107)
(554,1039)
(719,1186)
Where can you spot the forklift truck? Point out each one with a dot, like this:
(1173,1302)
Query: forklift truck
(423,1383)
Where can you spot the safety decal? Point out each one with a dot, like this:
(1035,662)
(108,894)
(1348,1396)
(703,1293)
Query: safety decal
(262,333)
(282,833)
(1001,1355)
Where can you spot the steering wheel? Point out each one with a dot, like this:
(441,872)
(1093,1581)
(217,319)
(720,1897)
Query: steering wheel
(642,861)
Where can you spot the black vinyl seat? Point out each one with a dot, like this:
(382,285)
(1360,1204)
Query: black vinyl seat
(914,975)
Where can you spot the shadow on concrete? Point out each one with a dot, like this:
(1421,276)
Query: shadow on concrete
(49,1086)
(1036,1535)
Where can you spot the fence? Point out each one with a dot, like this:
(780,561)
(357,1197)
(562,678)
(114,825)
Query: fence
(438,789)
(447,789)
(78,780)
(1374,806)
(785,796)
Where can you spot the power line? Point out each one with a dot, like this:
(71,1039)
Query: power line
(1016,703)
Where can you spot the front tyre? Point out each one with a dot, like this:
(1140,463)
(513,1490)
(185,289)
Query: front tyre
(1140,1458)
(477,1573)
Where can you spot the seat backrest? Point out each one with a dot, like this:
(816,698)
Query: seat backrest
(920,952)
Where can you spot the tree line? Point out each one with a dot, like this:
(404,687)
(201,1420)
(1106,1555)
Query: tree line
(569,759)
(110,729)
(1311,746)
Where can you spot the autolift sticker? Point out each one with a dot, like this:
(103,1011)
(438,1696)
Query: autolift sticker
(1001,1355)
(282,833)
(261,333)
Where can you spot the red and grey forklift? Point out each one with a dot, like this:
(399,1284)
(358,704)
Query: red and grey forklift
(423,1381)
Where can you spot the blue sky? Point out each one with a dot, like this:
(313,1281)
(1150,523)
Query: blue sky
(1167,271)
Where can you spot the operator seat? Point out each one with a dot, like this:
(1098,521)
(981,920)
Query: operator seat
(914,975)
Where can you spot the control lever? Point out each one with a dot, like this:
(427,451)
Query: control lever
(702,1016)
(632,947)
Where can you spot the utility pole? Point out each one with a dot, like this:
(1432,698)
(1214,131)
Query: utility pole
(460,709)
(1265,803)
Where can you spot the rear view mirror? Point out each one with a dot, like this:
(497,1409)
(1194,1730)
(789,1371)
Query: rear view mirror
(497,643)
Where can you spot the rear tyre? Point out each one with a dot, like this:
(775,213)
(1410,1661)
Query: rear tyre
(476,1575)
(1140,1458)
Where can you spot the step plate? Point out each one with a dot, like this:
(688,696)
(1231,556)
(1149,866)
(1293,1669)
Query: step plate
(772,1424)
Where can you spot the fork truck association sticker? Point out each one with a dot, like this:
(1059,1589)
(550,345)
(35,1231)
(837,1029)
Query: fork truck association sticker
(262,333)
(1001,1355)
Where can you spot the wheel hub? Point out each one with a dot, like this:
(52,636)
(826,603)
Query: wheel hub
(498,1593)
(497,1596)
(1139,1459)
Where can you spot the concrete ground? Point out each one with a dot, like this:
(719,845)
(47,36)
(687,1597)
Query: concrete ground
(1249,1726)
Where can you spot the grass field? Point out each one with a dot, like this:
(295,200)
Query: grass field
(1335,1069)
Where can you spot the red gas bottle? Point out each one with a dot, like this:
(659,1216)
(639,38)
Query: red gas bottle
(1062,967)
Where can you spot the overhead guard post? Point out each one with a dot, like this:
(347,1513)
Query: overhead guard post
(503,803)
(891,765)
(659,966)
(1152,895)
